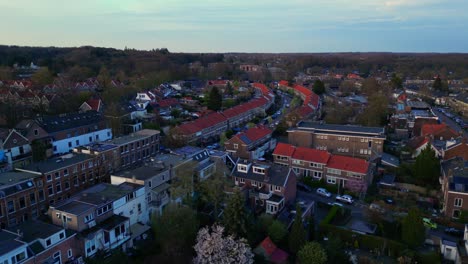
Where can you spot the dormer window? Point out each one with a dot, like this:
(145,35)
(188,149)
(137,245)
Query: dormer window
(242,168)
(259,170)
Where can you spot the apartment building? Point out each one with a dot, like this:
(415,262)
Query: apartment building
(348,140)
(454,180)
(350,173)
(103,216)
(251,144)
(270,187)
(136,147)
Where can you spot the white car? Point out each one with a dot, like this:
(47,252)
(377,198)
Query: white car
(345,198)
(323,192)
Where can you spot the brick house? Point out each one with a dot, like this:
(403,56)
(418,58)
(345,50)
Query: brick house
(351,173)
(356,141)
(454,180)
(16,148)
(250,144)
(439,131)
(457,150)
(269,186)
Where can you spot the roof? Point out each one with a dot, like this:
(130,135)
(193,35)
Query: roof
(390,160)
(168,102)
(13,177)
(313,155)
(33,229)
(253,134)
(275,174)
(457,171)
(271,252)
(58,163)
(388,179)
(318,127)
(142,134)
(435,129)
(418,105)
(348,164)
(283,149)
(95,104)
(62,122)
(8,242)
(203,122)
(143,173)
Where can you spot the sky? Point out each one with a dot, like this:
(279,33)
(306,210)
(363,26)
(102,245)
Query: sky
(240,25)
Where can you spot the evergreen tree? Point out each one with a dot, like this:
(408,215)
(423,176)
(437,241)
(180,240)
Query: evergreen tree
(215,99)
(319,87)
(412,228)
(235,217)
(297,236)
(336,251)
(396,82)
(437,85)
(427,167)
(312,253)
(277,231)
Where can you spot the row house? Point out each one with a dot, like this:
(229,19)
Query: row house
(243,113)
(207,126)
(349,140)
(251,144)
(15,149)
(38,242)
(270,187)
(103,216)
(347,172)
(309,98)
(454,181)
(136,147)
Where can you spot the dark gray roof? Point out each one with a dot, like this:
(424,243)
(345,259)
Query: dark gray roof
(62,122)
(142,173)
(457,169)
(275,198)
(32,230)
(276,174)
(308,125)
(8,242)
(12,177)
(57,163)
(75,207)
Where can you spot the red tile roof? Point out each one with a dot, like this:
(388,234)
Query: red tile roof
(95,104)
(168,102)
(284,83)
(204,122)
(353,76)
(272,252)
(218,82)
(265,91)
(348,164)
(313,155)
(283,149)
(433,129)
(255,133)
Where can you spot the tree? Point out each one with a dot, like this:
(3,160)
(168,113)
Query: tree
(104,79)
(175,138)
(319,87)
(437,85)
(412,228)
(376,112)
(311,227)
(297,236)
(213,247)
(212,189)
(42,77)
(215,99)
(39,149)
(229,89)
(396,82)
(5,73)
(175,113)
(312,253)
(235,217)
(336,250)
(427,167)
(277,231)
(182,186)
(175,230)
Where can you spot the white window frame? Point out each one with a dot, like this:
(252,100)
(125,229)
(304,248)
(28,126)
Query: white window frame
(460,202)
(331,180)
(236,146)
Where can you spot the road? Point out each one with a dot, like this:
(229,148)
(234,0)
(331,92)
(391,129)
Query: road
(450,122)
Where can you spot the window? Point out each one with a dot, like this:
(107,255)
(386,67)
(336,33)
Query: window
(36,132)
(57,175)
(317,174)
(236,146)
(242,167)
(49,177)
(254,183)
(50,190)
(456,214)
(18,258)
(91,245)
(58,187)
(259,170)
(65,172)
(77,142)
(130,196)
(41,195)
(139,208)
(458,202)
(331,180)
(39,183)
(55,148)
(67,185)
(61,235)
(69,144)
(11,207)
(89,218)
(242,180)
(97,137)
(75,180)
(277,188)
(22,202)
(48,242)
(333,171)
(70,253)
(148,197)
(150,184)
(32,198)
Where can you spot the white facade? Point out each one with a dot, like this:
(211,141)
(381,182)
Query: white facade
(133,206)
(148,96)
(449,250)
(17,255)
(67,145)
(116,237)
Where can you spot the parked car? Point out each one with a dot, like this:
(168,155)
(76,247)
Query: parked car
(303,187)
(454,232)
(428,223)
(323,192)
(345,198)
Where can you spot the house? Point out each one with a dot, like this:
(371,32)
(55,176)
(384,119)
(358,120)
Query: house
(210,125)
(68,131)
(103,216)
(417,144)
(251,144)
(460,103)
(454,180)
(91,105)
(46,243)
(439,131)
(168,104)
(448,249)
(350,140)
(351,173)
(270,187)
(13,250)
(460,149)
(271,252)
(15,147)
(147,96)
(32,130)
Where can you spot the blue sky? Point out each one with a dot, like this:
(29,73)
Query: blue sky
(240,25)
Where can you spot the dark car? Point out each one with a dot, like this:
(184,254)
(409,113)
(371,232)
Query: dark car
(303,187)
(454,232)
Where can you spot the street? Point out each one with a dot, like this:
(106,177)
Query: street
(450,122)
